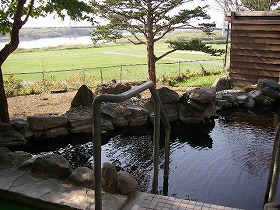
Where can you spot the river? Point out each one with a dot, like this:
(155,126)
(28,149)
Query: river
(50,42)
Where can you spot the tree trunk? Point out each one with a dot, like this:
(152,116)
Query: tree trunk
(4,114)
(7,50)
(150,44)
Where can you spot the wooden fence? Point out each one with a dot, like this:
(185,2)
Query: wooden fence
(255,47)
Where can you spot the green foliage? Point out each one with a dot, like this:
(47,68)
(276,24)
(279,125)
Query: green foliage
(13,86)
(203,78)
(76,10)
(132,16)
(195,45)
(259,5)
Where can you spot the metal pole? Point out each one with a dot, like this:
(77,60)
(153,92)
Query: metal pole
(156,147)
(101,76)
(179,67)
(121,73)
(96,130)
(166,161)
(271,169)
(275,175)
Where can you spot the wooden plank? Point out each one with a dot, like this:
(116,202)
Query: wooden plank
(250,46)
(255,13)
(250,78)
(249,27)
(257,72)
(254,40)
(251,59)
(258,34)
(255,66)
(255,53)
(256,22)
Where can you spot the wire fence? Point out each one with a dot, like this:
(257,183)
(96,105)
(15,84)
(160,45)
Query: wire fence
(73,78)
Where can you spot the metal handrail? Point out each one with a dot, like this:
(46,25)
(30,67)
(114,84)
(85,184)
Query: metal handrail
(159,113)
(273,175)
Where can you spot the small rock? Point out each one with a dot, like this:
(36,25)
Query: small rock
(272,206)
(52,165)
(82,176)
(83,97)
(14,159)
(223,83)
(110,177)
(167,96)
(11,138)
(5,126)
(127,183)
(20,125)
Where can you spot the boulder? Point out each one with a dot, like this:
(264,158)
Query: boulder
(172,111)
(4,150)
(189,115)
(242,100)
(108,111)
(168,96)
(20,125)
(203,95)
(270,92)
(272,206)
(123,111)
(110,178)
(106,125)
(52,165)
(83,97)
(80,119)
(223,104)
(56,132)
(250,104)
(257,96)
(46,121)
(112,88)
(11,138)
(13,159)
(223,83)
(120,122)
(82,176)
(138,117)
(27,164)
(126,183)
(262,83)
(5,126)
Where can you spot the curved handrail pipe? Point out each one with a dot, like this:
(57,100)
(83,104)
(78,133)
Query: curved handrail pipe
(96,130)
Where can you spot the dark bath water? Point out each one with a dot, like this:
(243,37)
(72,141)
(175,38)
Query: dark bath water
(225,164)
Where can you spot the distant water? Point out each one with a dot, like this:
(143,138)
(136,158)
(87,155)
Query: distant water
(50,42)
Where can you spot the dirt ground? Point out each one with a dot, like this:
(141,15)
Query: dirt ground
(56,103)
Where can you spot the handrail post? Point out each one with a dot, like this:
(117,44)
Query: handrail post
(96,131)
(273,175)
(156,147)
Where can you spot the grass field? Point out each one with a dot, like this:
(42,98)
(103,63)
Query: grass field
(113,61)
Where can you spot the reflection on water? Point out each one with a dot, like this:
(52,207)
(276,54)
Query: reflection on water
(225,163)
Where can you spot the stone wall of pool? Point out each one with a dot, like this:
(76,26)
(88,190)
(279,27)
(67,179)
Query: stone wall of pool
(196,106)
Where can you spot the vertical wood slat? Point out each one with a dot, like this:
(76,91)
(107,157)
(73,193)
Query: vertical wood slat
(255,47)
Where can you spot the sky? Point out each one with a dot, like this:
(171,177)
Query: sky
(214,11)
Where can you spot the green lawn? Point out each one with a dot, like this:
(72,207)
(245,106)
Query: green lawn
(70,67)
